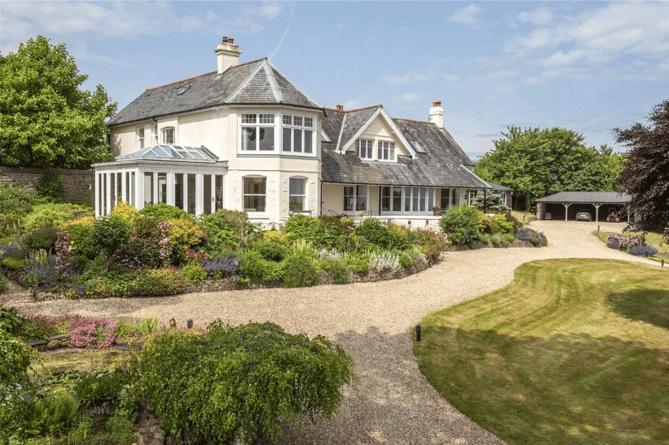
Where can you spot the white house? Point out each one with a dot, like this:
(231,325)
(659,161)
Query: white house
(245,137)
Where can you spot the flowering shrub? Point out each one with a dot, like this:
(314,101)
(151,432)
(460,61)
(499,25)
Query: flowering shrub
(433,241)
(462,224)
(149,245)
(627,241)
(384,261)
(644,250)
(225,266)
(14,249)
(330,255)
(95,333)
(42,269)
(125,211)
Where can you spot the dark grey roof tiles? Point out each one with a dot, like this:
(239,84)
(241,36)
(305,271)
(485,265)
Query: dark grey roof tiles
(240,84)
(440,166)
(498,187)
(588,198)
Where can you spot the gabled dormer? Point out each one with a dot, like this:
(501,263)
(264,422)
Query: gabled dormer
(373,136)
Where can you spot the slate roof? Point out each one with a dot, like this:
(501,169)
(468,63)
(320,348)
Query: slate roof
(444,163)
(587,198)
(253,83)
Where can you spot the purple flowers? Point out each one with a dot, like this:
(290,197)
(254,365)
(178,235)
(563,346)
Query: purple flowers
(632,244)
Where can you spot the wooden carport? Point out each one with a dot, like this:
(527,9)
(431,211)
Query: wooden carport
(595,199)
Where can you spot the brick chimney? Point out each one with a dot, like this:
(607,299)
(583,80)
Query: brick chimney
(227,54)
(437,114)
(340,108)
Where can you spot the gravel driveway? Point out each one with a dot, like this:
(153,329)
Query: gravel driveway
(392,403)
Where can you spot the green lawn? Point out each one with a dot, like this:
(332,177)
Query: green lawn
(571,352)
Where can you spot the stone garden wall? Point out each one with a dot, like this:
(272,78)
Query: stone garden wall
(79,185)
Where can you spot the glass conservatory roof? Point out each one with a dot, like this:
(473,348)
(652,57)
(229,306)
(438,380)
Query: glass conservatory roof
(171,153)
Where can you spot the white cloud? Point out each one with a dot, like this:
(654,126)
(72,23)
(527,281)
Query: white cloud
(90,20)
(540,16)
(466,15)
(407,97)
(413,76)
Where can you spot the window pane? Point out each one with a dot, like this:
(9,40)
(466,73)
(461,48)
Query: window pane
(191,194)
(168,136)
(455,197)
(297,140)
(162,188)
(179,190)
(430,199)
(348,199)
(308,137)
(415,197)
(266,118)
(385,199)
(112,189)
(219,192)
(297,120)
(297,186)
(248,138)
(397,199)
(287,132)
(206,187)
(445,195)
(287,120)
(132,189)
(308,122)
(296,204)
(148,189)
(423,195)
(361,198)
(407,199)
(266,138)
(248,118)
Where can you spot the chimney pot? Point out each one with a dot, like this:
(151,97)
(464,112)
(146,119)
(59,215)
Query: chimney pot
(437,114)
(340,108)
(227,54)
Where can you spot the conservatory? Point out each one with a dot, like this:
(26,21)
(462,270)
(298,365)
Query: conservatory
(190,178)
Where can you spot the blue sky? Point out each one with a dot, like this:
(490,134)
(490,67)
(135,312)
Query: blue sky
(585,66)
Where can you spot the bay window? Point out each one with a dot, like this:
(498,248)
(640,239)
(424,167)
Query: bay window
(298,134)
(257,132)
(254,194)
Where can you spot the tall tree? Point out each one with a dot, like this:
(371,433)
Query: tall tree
(539,162)
(646,173)
(45,119)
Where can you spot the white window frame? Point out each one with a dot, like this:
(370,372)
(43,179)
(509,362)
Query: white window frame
(386,151)
(302,125)
(140,137)
(292,195)
(357,197)
(364,148)
(258,121)
(164,135)
(245,194)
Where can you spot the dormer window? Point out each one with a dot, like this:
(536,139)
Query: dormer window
(168,136)
(386,151)
(363,148)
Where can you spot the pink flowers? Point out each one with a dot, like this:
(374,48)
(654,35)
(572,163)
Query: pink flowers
(92,332)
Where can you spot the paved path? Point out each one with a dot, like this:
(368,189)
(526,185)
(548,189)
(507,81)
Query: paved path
(393,403)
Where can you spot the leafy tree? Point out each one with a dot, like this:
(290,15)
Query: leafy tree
(45,119)
(539,162)
(646,172)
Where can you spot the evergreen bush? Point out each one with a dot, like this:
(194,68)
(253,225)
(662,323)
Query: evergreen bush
(299,271)
(241,381)
(462,224)
(163,212)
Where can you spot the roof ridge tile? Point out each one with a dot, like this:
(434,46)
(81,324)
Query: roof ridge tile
(182,80)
